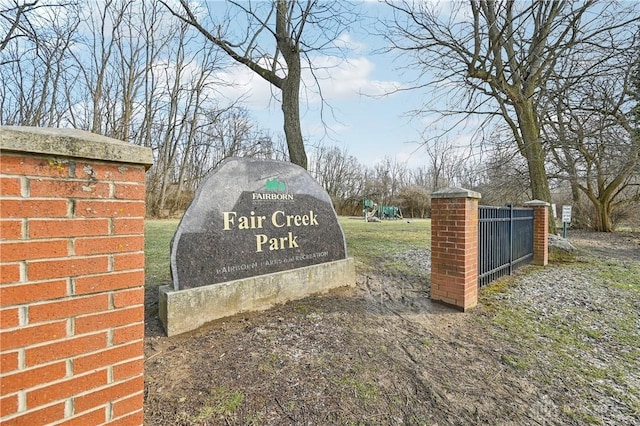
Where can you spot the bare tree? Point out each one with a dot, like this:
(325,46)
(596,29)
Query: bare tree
(129,70)
(100,78)
(389,176)
(445,162)
(231,132)
(503,177)
(12,19)
(415,201)
(275,31)
(500,55)
(180,111)
(36,73)
(17,22)
(130,64)
(594,131)
(341,175)
(212,136)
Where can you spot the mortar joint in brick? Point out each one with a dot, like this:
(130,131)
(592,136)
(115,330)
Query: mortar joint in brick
(23,271)
(24,187)
(71,327)
(23,316)
(68,408)
(22,401)
(21,358)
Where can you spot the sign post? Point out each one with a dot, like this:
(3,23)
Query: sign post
(566,218)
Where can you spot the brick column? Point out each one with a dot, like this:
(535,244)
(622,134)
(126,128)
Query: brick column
(454,247)
(71,278)
(540,231)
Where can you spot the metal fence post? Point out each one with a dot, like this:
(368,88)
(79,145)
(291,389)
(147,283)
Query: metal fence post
(510,239)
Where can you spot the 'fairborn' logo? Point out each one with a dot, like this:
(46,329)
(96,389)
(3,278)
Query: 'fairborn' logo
(276,185)
(276,190)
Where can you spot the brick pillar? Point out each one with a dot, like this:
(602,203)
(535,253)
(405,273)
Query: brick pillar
(540,231)
(71,278)
(454,247)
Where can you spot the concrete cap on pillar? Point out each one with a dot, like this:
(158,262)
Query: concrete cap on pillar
(455,193)
(536,203)
(72,143)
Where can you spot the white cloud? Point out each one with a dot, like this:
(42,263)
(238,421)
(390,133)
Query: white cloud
(339,79)
(244,83)
(342,79)
(346,42)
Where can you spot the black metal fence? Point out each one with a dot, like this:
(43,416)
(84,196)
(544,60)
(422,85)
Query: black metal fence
(505,241)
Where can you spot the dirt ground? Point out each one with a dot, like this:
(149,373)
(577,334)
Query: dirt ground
(378,354)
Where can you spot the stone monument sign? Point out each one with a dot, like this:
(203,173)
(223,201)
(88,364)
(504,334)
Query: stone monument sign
(253,217)
(258,233)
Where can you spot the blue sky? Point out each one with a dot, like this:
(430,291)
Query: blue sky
(367,124)
(366,120)
(364,116)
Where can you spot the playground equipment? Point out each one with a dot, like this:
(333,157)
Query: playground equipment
(373,212)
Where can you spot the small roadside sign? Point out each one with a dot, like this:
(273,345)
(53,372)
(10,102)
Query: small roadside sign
(566,214)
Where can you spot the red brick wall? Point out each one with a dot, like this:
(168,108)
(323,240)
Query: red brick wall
(71,290)
(540,232)
(454,245)
(454,248)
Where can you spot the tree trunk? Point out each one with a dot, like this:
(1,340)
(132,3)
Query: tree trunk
(603,217)
(290,87)
(531,149)
(580,213)
(291,113)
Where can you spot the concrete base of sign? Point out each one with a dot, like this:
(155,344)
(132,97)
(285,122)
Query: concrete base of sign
(185,310)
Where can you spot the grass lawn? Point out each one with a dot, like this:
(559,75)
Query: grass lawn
(157,240)
(369,243)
